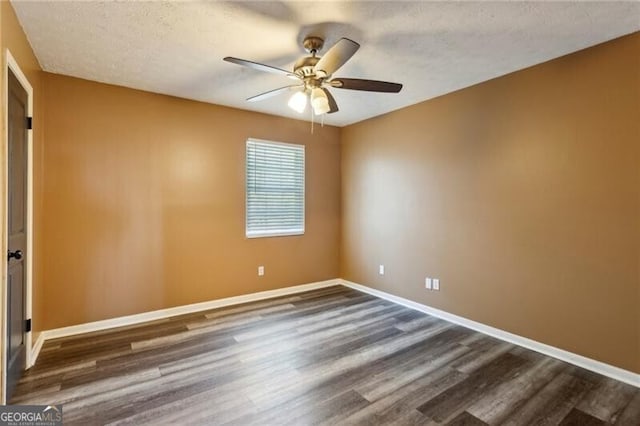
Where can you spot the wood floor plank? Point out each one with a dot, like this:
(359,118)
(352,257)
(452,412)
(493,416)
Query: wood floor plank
(392,406)
(495,406)
(552,403)
(34,374)
(453,401)
(466,419)
(273,325)
(417,322)
(29,393)
(477,358)
(403,371)
(327,411)
(211,406)
(426,388)
(94,389)
(318,388)
(631,413)
(607,399)
(580,418)
(330,356)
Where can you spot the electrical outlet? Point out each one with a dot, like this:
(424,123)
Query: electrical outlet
(436,284)
(427,283)
(381,269)
(260,271)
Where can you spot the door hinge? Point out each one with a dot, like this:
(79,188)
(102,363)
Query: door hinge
(27,325)
(29,123)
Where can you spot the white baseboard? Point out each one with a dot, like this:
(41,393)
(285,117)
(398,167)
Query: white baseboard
(575,359)
(35,349)
(171,312)
(572,358)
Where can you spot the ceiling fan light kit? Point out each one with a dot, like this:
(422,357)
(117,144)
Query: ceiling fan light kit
(298,102)
(314,75)
(319,101)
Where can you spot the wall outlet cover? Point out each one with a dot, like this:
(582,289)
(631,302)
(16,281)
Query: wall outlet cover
(427,283)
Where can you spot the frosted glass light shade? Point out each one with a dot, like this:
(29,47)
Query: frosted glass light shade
(319,101)
(298,102)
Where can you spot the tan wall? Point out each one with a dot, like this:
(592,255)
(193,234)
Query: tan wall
(145,200)
(522,194)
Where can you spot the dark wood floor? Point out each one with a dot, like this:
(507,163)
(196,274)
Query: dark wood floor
(331,356)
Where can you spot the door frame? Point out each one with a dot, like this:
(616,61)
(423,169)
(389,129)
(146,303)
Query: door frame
(12,65)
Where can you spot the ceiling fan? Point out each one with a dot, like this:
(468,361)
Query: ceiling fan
(314,76)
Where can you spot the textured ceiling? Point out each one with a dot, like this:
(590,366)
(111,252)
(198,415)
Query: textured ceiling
(432,48)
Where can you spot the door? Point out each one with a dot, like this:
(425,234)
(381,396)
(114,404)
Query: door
(17,231)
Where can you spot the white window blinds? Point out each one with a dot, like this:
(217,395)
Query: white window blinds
(275,189)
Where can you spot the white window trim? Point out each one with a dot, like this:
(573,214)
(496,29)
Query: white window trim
(274,233)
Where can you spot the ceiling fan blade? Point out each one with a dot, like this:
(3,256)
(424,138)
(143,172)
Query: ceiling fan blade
(270,93)
(336,57)
(366,85)
(333,106)
(261,67)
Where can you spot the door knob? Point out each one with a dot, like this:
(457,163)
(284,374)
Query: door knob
(17,255)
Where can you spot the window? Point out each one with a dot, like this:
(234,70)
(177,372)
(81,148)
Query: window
(275,189)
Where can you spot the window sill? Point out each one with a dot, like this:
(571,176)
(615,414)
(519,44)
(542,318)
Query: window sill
(274,234)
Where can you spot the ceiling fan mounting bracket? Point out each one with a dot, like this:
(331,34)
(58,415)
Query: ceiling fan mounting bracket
(313,44)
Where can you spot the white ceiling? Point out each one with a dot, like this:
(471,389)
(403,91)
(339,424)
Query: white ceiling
(433,48)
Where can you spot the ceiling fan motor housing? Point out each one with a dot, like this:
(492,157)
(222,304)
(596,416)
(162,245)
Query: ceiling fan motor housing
(304,67)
